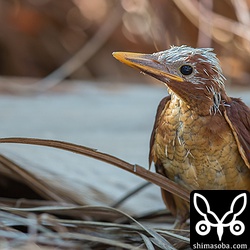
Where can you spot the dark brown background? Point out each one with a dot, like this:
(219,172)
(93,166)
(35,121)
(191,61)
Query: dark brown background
(37,36)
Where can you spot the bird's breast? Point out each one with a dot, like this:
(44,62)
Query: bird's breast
(199,152)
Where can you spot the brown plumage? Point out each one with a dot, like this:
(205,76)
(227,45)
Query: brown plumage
(201,137)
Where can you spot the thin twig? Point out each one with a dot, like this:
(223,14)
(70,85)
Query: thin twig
(129,194)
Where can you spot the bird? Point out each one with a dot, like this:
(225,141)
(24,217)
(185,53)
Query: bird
(201,136)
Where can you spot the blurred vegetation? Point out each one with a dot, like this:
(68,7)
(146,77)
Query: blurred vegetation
(38,36)
(58,39)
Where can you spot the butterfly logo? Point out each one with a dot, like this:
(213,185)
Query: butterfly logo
(210,219)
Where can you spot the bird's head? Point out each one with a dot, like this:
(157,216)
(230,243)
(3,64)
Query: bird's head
(193,75)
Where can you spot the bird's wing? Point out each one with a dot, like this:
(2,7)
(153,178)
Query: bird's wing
(237,115)
(163,103)
(168,198)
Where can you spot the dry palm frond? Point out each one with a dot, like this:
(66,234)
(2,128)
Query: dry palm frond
(155,178)
(57,221)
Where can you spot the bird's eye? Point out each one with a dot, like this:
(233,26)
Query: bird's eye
(186,70)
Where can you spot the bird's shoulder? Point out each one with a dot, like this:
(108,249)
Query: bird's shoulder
(162,105)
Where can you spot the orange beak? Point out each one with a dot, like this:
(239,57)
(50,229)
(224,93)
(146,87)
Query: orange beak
(147,63)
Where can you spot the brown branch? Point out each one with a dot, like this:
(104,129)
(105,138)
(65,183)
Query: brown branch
(155,178)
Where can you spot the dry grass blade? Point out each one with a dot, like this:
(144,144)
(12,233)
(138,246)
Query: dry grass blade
(134,191)
(12,202)
(17,238)
(155,178)
(147,242)
(175,235)
(78,236)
